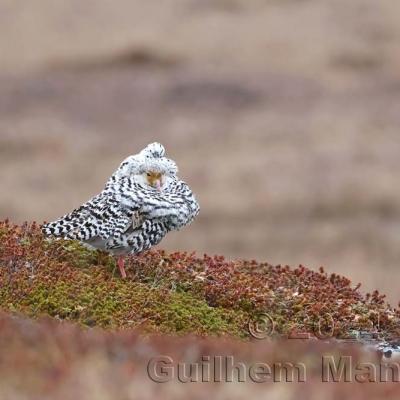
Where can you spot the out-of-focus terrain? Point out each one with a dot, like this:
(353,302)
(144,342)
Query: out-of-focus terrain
(282,115)
(59,361)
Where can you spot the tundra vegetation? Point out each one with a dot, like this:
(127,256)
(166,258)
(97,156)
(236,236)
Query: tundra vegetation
(64,306)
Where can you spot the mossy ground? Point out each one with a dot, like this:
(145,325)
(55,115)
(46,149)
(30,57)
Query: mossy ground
(178,293)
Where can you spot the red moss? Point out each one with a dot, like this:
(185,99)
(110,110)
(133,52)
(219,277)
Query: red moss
(295,298)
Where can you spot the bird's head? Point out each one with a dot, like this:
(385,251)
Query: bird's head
(157,173)
(150,167)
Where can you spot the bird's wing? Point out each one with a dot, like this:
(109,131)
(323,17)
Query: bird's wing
(184,206)
(102,216)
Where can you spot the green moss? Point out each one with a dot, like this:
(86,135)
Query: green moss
(173,293)
(91,301)
(182,313)
(78,255)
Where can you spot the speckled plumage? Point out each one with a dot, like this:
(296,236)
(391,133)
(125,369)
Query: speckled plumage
(129,216)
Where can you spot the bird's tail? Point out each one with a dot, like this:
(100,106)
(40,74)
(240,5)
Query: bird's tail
(64,225)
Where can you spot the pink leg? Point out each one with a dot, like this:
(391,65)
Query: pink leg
(121,263)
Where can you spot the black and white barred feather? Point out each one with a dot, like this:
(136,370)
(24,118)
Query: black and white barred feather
(127,216)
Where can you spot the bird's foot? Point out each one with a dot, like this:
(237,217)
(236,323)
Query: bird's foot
(121,266)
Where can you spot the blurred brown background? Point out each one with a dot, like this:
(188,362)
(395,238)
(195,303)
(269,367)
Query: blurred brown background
(283,115)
